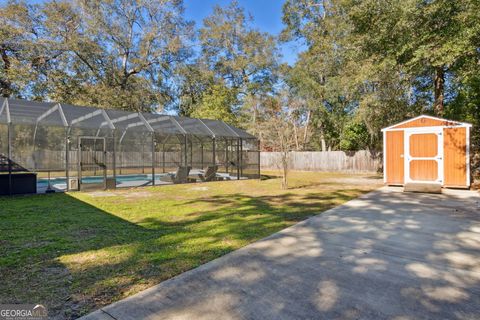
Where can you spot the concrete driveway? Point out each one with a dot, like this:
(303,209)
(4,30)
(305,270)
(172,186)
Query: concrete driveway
(386,255)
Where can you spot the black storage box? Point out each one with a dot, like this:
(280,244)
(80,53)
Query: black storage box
(22,183)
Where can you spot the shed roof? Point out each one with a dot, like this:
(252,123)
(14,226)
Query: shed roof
(427,121)
(19,111)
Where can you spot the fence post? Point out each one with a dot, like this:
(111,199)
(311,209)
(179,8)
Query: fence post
(258,155)
(201,159)
(121,157)
(153,159)
(9,138)
(186,150)
(114,159)
(143,157)
(238,159)
(226,156)
(163,157)
(79,162)
(191,153)
(67,158)
(213,151)
(241,157)
(104,159)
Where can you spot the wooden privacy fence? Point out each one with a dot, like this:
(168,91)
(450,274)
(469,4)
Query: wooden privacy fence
(339,161)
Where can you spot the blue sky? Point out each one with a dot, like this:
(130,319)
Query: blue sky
(267,15)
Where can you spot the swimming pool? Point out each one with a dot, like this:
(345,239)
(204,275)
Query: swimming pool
(122,181)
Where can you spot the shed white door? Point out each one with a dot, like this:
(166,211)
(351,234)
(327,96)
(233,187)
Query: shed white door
(424,155)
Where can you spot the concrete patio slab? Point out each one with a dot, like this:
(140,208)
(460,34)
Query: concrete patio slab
(385,255)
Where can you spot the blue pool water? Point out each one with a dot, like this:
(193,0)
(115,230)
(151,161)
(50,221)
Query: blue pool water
(133,180)
(61,182)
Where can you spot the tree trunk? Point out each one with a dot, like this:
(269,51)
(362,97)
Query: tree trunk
(5,84)
(284,170)
(305,133)
(254,118)
(439,83)
(295,132)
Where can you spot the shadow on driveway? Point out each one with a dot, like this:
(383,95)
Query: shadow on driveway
(385,255)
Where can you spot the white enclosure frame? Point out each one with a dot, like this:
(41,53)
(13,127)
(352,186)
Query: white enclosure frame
(226,146)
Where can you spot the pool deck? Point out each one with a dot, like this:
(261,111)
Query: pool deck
(61,187)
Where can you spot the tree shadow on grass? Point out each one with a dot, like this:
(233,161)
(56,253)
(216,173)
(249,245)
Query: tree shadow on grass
(75,257)
(37,230)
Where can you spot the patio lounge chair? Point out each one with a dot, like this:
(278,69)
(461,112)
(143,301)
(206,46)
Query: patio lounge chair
(223,176)
(209,174)
(180,176)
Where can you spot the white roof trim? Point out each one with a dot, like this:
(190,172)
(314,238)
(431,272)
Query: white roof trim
(145,122)
(178,125)
(213,133)
(426,128)
(136,124)
(161,118)
(124,118)
(95,113)
(123,136)
(53,109)
(164,118)
(7,111)
(462,124)
(107,118)
(4,106)
(86,117)
(62,114)
(226,125)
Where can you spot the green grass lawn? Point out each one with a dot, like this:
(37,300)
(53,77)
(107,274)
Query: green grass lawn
(76,252)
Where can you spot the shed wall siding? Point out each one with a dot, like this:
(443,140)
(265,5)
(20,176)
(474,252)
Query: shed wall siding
(395,159)
(455,153)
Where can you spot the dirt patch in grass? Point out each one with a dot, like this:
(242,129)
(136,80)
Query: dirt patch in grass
(199,188)
(99,194)
(136,194)
(36,244)
(84,234)
(76,252)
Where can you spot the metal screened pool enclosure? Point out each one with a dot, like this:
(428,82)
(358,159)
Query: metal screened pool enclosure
(55,146)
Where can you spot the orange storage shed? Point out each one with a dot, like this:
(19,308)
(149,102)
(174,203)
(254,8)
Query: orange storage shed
(427,149)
